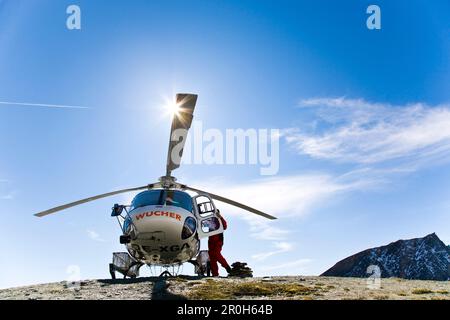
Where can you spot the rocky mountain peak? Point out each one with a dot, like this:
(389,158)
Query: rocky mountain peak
(426,258)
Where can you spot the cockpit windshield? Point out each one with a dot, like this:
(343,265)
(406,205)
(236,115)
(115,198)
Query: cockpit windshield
(163,197)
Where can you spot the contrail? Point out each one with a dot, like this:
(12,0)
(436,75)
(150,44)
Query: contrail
(26,104)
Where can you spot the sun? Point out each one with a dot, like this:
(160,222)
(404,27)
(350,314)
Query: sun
(171,108)
(174,108)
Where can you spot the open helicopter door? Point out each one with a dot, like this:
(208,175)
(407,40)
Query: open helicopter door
(209,223)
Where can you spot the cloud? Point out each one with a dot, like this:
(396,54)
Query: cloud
(280,247)
(357,131)
(8,196)
(286,197)
(265,230)
(94,236)
(292,266)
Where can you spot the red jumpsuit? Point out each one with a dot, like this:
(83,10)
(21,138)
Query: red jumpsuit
(215,244)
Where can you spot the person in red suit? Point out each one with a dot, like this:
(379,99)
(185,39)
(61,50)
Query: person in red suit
(215,244)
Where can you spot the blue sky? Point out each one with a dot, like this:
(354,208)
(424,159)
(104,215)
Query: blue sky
(365,117)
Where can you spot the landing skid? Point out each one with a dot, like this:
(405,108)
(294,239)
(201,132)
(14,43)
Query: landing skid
(113,269)
(174,271)
(124,264)
(201,270)
(165,274)
(129,267)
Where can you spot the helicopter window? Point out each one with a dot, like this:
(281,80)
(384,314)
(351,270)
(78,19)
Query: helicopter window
(189,228)
(205,206)
(210,224)
(163,197)
(178,199)
(148,198)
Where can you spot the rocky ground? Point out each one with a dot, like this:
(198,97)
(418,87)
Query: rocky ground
(184,287)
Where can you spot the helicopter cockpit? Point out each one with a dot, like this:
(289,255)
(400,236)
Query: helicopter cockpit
(159,197)
(163,198)
(201,206)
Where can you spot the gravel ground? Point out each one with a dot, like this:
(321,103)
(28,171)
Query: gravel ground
(184,287)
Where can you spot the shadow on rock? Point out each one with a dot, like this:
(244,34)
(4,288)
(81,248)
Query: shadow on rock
(159,286)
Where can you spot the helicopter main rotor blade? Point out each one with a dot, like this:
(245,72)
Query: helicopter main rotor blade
(232,202)
(182,120)
(76,203)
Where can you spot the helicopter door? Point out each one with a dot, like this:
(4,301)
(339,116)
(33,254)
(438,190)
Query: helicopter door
(209,223)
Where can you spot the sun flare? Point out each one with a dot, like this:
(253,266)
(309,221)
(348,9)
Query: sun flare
(171,107)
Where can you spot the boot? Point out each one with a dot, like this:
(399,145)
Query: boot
(228,268)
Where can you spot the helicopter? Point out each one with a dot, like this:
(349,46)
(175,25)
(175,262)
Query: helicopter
(163,224)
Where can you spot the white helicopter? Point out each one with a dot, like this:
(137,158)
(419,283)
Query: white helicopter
(164,224)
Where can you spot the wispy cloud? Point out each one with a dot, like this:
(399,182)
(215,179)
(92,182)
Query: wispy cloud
(94,235)
(28,104)
(294,267)
(358,131)
(266,230)
(8,196)
(286,197)
(279,247)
